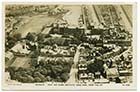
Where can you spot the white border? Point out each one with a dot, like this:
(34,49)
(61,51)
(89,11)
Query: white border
(134,60)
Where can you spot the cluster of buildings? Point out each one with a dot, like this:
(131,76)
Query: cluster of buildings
(112,37)
(105,51)
(112,66)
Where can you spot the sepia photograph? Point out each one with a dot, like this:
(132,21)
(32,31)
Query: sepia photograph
(50,46)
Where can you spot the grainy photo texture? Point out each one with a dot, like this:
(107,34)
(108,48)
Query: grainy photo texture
(82,44)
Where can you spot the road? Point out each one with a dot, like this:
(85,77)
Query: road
(72,18)
(74,70)
(73,15)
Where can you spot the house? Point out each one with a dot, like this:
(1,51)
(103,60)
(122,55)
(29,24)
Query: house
(112,73)
(20,48)
(82,67)
(93,37)
(83,77)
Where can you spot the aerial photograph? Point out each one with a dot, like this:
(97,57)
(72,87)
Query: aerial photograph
(68,43)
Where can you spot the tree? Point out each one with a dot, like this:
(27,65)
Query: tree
(30,79)
(47,36)
(64,76)
(75,40)
(12,71)
(97,66)
(33,63)
(30,36)
(37,79)
(24,79)
(58,79)
(48,78)
(17,36)
(40,37)
(10,42)
(44,71)
(56,70)
(35,54)
(66,68)
(40,76)
(117,80)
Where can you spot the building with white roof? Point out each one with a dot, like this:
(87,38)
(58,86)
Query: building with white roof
(21,48)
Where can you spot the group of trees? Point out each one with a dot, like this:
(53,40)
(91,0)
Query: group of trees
(47,39)
(31,36)
(97,66)
(57,40)
(45,71)
(76,32)
(11,40)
